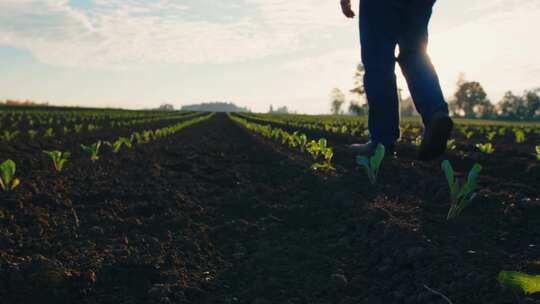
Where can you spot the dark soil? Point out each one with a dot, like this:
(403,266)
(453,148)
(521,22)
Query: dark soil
(216,214)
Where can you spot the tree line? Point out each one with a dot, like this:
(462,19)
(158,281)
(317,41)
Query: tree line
(469,101)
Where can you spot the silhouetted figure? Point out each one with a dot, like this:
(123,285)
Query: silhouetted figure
(384,25)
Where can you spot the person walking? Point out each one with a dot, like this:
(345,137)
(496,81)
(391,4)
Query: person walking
(384,25)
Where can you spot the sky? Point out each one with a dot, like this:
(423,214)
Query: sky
(142,53)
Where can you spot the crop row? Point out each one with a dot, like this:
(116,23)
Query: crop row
(317,149)
(485,135)
(9,181)
(51,132)
(14,121)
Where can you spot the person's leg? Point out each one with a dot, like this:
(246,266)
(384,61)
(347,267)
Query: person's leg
(422,79)
(415,63)
(378,41)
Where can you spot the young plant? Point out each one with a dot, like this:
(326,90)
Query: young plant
(491,135)
(525,283)
(59,159)
(49,133)
(328,154)
(313,148)
(519,136)
(302,142)
(9,136)
(8,182)
(117,144)
(92,150)
(372,165)
(486,148)
(77,128)
(451,145)
(148,135)
(461,195)
(32,133)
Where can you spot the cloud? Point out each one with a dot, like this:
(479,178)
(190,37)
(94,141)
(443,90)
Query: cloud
(131,33)
(499,49)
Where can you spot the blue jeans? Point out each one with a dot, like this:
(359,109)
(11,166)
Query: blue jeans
(385,24)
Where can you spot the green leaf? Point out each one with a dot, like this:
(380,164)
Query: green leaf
(8,169)
(322,144)
(528,284)
(7,174)
(378,157)
(473,174)
(15,183)
(449,173)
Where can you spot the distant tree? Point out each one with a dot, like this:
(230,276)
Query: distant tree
(470,100)
(166,107)
(407,107)
(358,109)
(359,81)
(337,99)
(532,100)
(485,110)
(358,104)
(510,105)
(279,110)
(526,107)
(214,107)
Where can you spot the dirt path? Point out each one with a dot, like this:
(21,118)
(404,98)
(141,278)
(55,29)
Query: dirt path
(214,214)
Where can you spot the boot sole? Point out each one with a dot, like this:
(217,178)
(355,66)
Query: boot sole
(434,145)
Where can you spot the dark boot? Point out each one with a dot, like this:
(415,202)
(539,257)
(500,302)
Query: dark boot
(368,149)
(436,137)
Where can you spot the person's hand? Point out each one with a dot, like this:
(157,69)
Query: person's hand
(346,8)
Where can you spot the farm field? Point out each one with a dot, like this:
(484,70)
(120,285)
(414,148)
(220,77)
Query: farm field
(256,208)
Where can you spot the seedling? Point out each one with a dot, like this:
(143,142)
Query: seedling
(519,136)
(32,133)
(117,144)
(521,282)
(461,195)
(148,135)
(451,145)
(486,148)
(9,136)
(302,142)
(328,154)
(59,159)
(313,148)
(49,133)
(92,150)
(491,135)
(417,141)
(8,182)
(372,165)
(77,128)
